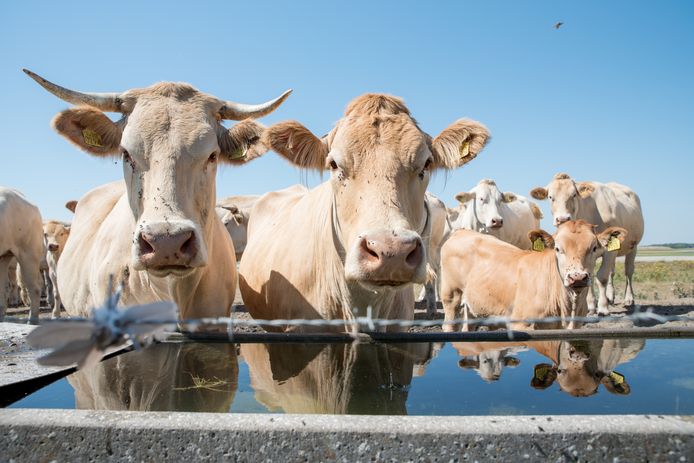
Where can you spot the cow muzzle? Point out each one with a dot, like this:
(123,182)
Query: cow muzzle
(495,223)
(576,280)
(168,248)
(387,259)
(560,219)
(53,247)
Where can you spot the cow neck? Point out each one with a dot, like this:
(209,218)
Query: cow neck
(337,228)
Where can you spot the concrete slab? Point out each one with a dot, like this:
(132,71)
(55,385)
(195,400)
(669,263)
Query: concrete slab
(75,435)
(17,359)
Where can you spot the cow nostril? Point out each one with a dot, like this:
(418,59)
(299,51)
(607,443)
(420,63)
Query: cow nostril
(145,247)
(414,258)
(189,246)
(367,245)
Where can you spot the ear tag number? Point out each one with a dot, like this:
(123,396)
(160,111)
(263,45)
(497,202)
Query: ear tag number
(538,245)
(465,150)
(614,244)
(91,138)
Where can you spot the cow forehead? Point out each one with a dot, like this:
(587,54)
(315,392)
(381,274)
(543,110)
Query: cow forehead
(575,235)
(363,136)
(562,187)
(487,188)
(158,121)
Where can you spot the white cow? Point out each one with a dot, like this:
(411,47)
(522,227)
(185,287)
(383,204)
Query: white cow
(55,234)
(440,228)
(234,213)
(605,205)
(21,237)
(507,216)
(156,231)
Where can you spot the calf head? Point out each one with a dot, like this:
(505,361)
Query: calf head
(564,195)
(55,235)
(170,138)
(489,363)
(577,372)
(379,162)
(576,247)
(236,223)
(485,200)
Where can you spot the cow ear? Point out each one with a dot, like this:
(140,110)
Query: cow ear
(612,238)
(539,193)
(89,129)
(71,205)
(508,197)
(464,197)
(543,376)
(297,144)
(511,362)
(585,189)
(540,240)
(537,212)
(468,362)
(459,143)
(238,217)
(242,142)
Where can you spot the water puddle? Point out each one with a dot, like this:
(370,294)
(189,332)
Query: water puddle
(615,376)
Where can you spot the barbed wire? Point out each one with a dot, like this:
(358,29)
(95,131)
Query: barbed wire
(367,323)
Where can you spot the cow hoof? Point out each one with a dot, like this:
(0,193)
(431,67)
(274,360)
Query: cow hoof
(628,302)
(33,321)
(592,313)
(603,312)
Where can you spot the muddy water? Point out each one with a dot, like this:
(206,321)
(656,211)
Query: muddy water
(550,377)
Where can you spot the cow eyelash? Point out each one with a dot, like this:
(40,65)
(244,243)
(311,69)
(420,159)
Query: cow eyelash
(427,166)
(127,158)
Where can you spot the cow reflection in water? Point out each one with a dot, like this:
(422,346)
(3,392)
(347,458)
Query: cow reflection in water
(162,377)
(333,378)
(579,367)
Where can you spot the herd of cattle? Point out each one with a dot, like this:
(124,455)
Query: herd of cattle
(360,240)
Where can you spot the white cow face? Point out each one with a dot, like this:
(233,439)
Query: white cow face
(485,202)
(170,139)
(380,163)
(576,247)
(564,196)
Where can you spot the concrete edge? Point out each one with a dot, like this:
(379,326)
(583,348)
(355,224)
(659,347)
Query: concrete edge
(440,425)
(81,435)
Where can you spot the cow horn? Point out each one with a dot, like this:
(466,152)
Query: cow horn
(240,111)
(110,102)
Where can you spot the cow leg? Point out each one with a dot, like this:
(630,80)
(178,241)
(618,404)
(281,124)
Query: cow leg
(629,273)
(451,304)
(603,276)
(31,274)
(430,297)
(4,284)
(610,288)
(590,299)
(49,286)
(53,289)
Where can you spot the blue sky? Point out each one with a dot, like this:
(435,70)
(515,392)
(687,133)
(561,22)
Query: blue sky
(608,97)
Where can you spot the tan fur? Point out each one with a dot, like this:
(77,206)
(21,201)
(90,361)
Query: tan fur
(302,255)
(55,234)
(72,122)
(71,205)
(493,278)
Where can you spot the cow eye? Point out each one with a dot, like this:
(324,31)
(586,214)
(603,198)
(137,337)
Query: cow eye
(558,250)
(595,248)
(332,164)
(212,158)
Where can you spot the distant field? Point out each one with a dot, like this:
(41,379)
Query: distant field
(664,251)
(658,281)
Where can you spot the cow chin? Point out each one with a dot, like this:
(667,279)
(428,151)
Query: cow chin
(178,271)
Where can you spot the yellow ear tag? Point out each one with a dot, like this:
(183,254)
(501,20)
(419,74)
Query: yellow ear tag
(616,378)
(91,138)
(614,244)
(538,245)
(465,150)
(238,154)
